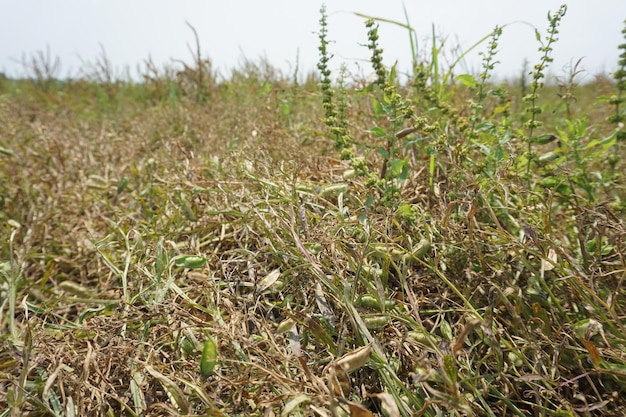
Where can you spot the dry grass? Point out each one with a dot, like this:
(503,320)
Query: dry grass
(496,299)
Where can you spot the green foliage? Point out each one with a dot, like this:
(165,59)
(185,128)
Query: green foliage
(478,160)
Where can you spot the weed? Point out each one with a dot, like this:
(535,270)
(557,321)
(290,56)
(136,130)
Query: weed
(536,83)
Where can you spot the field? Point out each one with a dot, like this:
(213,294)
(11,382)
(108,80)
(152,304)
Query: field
(257,244)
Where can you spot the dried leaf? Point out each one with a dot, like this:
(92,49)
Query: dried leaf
(594,354)
(354,360)
(472,211)
(318,330)
(294,341)
(294,403)
(548,265)
(139,400)
(388,404)
(286,325)
(323,306)
(174,393)
(458,345)
(269,280)
(338,383)
(357,410)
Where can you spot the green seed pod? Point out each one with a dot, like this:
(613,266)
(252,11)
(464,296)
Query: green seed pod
(349,173)
(371,302)
(545,139)
(548,157)
(334,189)
(186,346)
(375,322)
(191,261)
(122,184)
(368,301)
(209,357)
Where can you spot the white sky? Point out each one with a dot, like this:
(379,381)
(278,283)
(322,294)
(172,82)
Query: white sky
(231,30)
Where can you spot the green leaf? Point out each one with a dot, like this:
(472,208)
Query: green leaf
(378,132)
(467,80)
(606,143)
(383,152)
(161,256)
(399,169)
(376,107)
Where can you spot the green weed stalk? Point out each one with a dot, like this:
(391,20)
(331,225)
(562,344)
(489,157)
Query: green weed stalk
(538,74)
(618,118)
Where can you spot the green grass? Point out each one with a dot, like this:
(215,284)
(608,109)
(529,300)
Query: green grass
(253,245)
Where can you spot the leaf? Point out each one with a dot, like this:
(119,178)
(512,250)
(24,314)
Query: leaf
(388,404)
(594,354)
(286,325)
(467,80)
(605,143)
(320,333)
(383,152)
(405,132)
(548,264)
(547,157)
(323,306)
(269,280)
(375,322)
(399,169)
(292,404)
(174,393)
(139,399)
(209,357)
(378,132)
(376,107)
(358,410)
(354,360)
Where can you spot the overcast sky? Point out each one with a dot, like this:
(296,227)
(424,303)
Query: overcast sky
(283,30)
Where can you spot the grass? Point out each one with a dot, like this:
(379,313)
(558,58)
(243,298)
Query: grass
(257,245)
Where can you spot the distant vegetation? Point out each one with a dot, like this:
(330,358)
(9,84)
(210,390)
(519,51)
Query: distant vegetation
(256,244)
